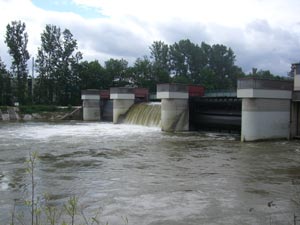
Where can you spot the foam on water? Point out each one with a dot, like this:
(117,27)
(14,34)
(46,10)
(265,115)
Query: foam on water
(36,131)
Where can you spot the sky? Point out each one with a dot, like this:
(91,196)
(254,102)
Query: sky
(263,34)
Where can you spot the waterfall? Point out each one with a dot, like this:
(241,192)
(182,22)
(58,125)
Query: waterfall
(146,114)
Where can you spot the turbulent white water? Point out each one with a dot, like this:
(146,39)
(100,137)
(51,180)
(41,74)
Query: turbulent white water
(146,114)
(149,176)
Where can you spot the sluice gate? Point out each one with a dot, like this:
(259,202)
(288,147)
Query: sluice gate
(215,113)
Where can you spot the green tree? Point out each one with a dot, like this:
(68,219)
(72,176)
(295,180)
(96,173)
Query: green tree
(67,76)
(92,76)
(188,61)
(47,64)
(264,74)
(16,39)
(180,60)
(5,86)
(221,62)
(159,54)
(57,66)
(142,75)
(117,72)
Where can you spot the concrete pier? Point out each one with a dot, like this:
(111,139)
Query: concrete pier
(91,105)
(265,108)
(123,99)
(295,109)
(174,107)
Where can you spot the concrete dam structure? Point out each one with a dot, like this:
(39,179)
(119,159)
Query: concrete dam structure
(266,106)
(91,105)
(262,109)
(172,114)
(174,107)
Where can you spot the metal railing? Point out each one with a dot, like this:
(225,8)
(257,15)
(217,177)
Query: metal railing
(254,83)
(220,93)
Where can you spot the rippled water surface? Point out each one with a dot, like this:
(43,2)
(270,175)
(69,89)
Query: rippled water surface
(149,176)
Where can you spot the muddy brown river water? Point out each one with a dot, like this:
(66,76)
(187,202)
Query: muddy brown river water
(151,177)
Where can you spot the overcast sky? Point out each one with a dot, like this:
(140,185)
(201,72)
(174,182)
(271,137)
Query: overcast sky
(263,33)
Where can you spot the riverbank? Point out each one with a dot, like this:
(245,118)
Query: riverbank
(40,113)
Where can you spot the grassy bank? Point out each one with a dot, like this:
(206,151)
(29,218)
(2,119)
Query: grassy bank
(30,109)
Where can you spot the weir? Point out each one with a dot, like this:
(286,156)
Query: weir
(146,114)
(262,109)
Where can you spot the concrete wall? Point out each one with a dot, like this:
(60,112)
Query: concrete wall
(91,105)
(91,110)
(266,106)
(123,99)
(174,115)
(295,119)
(120,108)
(174,107)
(297,82)
(296,70)
(265,119)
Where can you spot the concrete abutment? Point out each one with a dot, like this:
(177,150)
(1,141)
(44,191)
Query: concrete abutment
(174,107)
(91,105)
(123,99)
(266,108)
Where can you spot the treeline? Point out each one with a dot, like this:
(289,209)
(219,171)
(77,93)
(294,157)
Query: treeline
(61,74)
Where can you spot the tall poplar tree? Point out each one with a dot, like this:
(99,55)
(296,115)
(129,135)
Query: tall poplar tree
(16,39)
(56,65)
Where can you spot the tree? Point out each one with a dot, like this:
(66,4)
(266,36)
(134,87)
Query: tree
(5,87)
(159,53)
(188,60)
(57,66)
(92,76)
(47,64)
(221,62)
(117,72)
(190,63)
(265,74)
(16,39)
(142,74)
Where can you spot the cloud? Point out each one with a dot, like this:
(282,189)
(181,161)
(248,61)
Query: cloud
(263,33)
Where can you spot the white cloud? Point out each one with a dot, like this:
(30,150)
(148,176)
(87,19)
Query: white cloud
(262,33)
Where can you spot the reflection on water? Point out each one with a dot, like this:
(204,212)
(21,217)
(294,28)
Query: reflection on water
(149,176)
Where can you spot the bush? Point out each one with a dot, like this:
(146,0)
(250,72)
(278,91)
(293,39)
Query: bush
(29,109)
(3,108)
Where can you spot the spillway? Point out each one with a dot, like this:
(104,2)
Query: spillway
(146,114)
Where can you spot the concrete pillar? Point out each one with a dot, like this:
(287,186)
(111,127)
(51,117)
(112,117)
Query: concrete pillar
(295,111)
(296,70)
(266,106)
(91,105)
(123,99)
(174,107)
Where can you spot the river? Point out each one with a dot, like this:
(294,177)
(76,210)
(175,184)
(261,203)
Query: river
(149,176)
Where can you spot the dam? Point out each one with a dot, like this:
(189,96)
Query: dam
(260,109)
